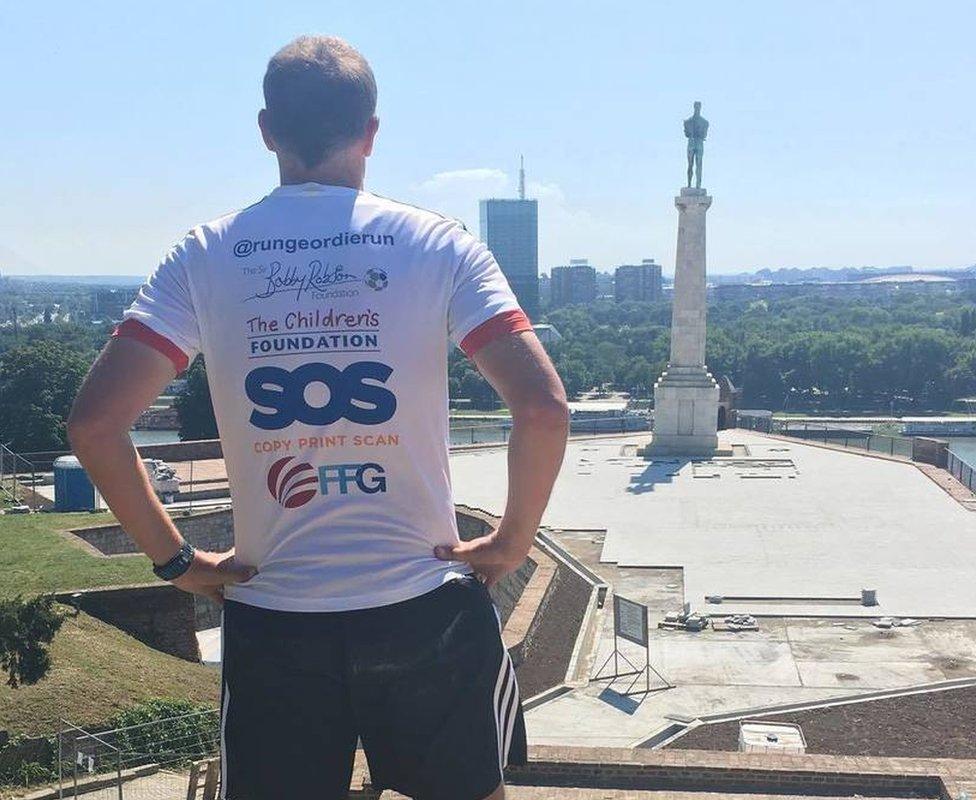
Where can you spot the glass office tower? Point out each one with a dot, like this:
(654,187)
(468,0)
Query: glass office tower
(510,228)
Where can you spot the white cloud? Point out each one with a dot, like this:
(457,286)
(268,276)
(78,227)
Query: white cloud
(456,178)
(545,191)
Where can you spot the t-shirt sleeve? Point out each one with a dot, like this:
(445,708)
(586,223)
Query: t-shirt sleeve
(162,315)
(482,306)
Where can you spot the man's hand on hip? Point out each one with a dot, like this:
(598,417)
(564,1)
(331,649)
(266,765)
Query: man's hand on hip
(491,556)
(210,572)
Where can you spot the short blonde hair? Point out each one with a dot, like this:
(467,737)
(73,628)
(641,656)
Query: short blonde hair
(319,93)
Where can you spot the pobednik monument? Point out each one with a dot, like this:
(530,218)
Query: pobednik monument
(686,395)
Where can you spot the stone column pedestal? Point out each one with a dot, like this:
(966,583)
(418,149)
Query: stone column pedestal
(686,395)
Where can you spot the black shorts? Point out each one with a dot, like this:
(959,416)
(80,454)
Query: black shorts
(426,684)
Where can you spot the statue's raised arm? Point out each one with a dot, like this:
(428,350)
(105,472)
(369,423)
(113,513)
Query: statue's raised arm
(696,129)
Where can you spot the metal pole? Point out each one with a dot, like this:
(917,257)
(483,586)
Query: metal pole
(118,769)
(191,485)
(60,769)
(647,665)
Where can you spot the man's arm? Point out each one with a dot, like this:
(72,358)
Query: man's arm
(125,379)
(519,369)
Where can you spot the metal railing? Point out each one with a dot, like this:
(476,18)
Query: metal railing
(852,439)
(15,472)
(962,471)
(146,761)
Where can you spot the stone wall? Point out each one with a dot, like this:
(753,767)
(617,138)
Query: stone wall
(211,530)
(196,450)
(548,645)
(473,523)
(159,615)
(726,773)
(214,530)
(930,451)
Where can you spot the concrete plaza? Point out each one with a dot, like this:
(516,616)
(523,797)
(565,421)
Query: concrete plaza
(779,520)
(776,520)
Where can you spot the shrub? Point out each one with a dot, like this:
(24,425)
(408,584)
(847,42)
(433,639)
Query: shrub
(26,628)
(167,731)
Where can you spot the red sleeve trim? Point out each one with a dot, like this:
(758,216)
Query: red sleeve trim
(513,321)
(133,329)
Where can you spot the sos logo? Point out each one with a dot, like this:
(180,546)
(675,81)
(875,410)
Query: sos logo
(353,394)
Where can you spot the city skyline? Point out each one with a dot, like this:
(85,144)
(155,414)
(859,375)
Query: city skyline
(839,136)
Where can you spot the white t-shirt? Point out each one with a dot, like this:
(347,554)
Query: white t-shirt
(324,314)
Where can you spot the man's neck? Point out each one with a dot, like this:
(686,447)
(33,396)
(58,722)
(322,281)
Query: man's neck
(338,172)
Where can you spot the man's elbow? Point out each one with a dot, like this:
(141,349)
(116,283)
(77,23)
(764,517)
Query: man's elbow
(88,430)
(548,412)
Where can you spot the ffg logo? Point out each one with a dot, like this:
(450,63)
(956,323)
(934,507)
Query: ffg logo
(342,475)
(292,486)
(350,396)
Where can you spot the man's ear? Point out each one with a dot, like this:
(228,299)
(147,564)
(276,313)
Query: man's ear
(371,127)
(264,124)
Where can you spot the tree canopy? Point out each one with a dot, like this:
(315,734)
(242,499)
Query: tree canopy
(38,384)
(899,352)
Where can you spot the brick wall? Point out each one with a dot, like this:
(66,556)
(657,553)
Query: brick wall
(159,615)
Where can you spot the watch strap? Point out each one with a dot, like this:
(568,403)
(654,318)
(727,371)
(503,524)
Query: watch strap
(177,565)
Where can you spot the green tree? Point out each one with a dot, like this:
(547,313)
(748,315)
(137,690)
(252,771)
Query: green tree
(26,628)
(38,383)
(194,406)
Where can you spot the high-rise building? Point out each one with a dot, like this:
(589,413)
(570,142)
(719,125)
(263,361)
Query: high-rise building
(574,284)
(604,285)
(637,281)
(545,292)
(510,228)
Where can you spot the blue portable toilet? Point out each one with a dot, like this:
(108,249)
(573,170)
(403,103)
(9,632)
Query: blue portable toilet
(73,491)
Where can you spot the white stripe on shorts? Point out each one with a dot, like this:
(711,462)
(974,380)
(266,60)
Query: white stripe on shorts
(223,716)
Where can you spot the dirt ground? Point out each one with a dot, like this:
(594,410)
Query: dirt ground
(933,725)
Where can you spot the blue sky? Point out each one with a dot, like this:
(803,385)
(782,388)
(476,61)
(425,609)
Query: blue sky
(842,133)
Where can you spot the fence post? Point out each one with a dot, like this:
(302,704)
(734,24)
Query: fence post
(118,769)
(60,769)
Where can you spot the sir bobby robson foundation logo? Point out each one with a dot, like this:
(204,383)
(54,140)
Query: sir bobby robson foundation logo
(291,486)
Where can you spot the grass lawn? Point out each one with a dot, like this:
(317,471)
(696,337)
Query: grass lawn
(35,557)
(96,672)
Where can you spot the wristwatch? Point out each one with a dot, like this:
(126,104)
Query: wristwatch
(177,565)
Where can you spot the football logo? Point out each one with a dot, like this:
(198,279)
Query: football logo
(286,488)
(376,279)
